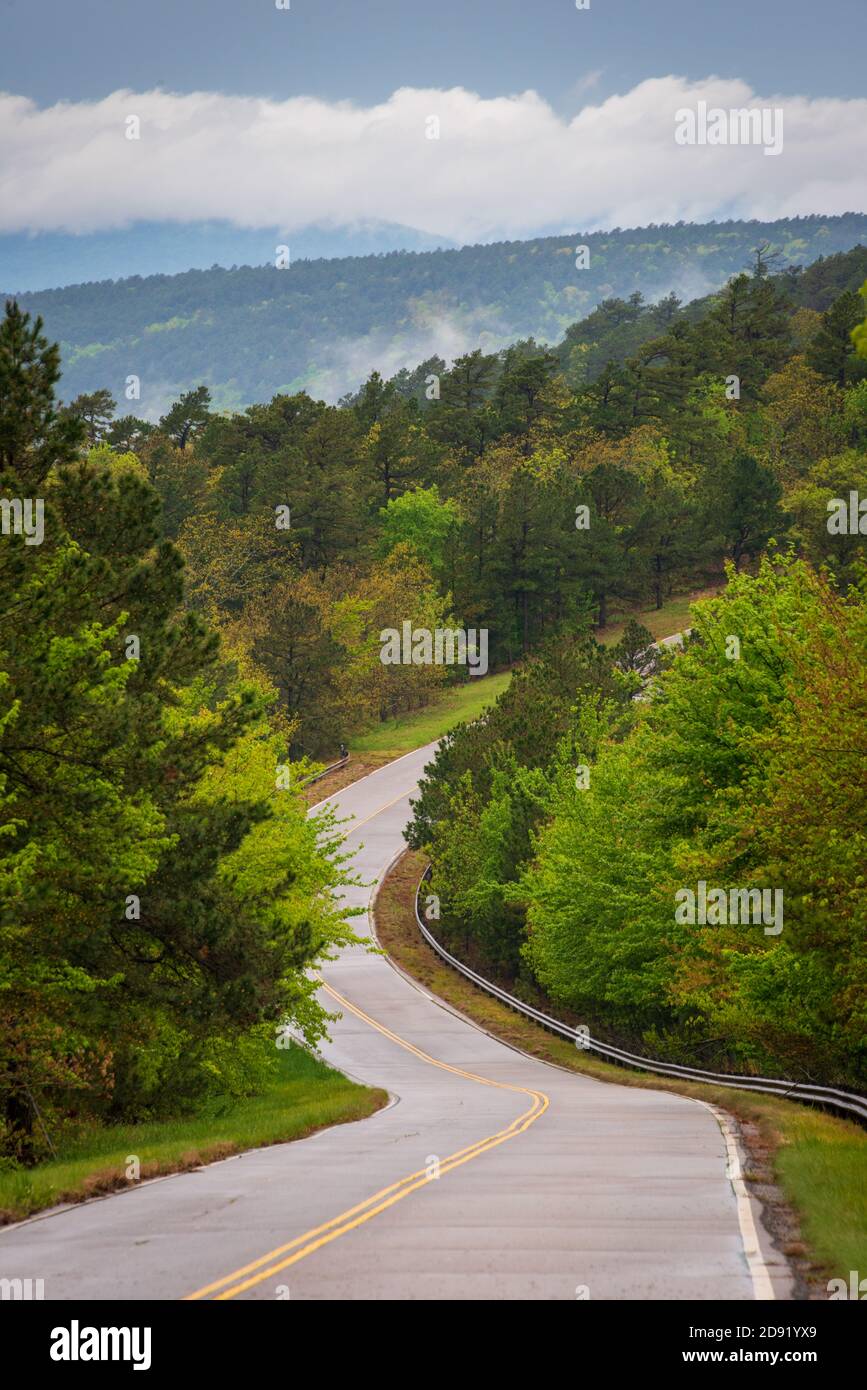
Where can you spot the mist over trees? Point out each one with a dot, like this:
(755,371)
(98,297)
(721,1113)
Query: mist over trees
(249,332)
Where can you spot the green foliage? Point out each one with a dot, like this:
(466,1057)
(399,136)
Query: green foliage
(530,495)
(491,781)
(859,333)
(34,436)
(724,780)
(253,331)
(422,520)
(744,506)
(159,895)
(186,416)
(163,894)
(832,349)
(95,409)
(807,504)
(477,850)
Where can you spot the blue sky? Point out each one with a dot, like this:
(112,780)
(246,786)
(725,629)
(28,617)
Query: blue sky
(364,49)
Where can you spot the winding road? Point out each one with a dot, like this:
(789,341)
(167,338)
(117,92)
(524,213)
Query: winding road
(490,1175)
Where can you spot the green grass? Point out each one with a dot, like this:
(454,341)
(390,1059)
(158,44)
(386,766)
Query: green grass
(673,616)
(823,1169)
(414,730)
(304,1095)
(468,700)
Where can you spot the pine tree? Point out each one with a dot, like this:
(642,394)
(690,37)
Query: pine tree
(187,416)
(96,409)
(831,351)
(34,435)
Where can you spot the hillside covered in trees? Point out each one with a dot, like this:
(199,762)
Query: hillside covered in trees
(204,613)
(322,325)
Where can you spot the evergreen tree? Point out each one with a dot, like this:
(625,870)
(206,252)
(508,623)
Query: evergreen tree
(187,416)
(96,409)
(34,435)
(832,350)
(745,507)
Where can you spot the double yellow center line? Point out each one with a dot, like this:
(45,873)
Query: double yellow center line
(275,1261)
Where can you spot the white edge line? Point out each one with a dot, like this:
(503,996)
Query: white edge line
(763,1286)
(394,761)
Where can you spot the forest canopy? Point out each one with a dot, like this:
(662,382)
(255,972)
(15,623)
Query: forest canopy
(202,615)
(249,332)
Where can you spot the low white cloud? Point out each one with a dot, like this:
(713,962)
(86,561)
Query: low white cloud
(502,167)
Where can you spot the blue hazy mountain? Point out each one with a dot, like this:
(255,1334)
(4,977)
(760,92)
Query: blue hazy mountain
(50,259)
(322,325)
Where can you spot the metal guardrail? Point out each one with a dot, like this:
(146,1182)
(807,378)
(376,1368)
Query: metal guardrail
(848,1103)
(341,762)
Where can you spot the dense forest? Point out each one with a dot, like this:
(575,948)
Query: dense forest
(204,615)
(29,261)
(320,325)
(163,891)
(605,781)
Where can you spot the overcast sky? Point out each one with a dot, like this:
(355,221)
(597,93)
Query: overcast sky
(549,117)
(365,49)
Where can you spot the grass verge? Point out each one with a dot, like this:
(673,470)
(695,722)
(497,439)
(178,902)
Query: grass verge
(672,617)
(305,1095)
(808,1169)
(413,730)
(406,732)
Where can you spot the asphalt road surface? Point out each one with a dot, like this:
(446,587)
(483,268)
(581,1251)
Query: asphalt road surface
(489,1176)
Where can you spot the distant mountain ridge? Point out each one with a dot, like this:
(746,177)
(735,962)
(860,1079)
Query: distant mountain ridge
(47,260)
(323,325)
